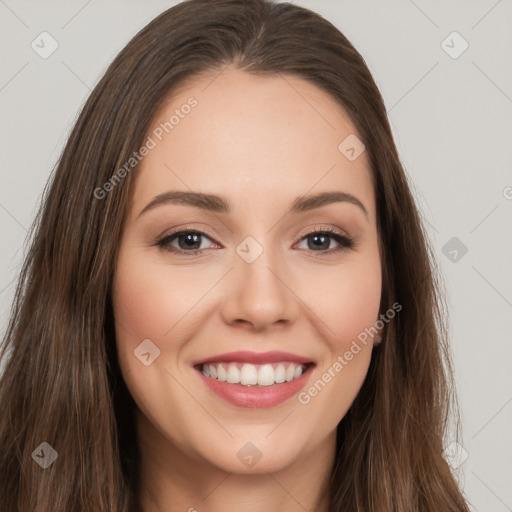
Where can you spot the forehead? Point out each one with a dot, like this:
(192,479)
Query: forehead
(252,139)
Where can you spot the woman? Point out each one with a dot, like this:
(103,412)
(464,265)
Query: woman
(229,300)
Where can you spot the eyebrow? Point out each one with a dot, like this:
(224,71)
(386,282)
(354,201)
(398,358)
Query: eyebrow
(218,204)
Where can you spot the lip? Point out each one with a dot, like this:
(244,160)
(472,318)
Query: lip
(245,356)
(255,396)
(261,397)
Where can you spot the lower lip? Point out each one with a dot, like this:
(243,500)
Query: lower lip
(254,396)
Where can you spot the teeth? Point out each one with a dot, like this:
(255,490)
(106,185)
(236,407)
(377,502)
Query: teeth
(248,375)
(233,375)
(279,374)
(266,375)
(221,374)
(253,374)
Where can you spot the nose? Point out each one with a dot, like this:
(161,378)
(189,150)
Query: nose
(259,294)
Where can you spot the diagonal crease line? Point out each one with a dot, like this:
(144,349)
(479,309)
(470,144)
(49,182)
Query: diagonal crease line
(12,216)
(432,226)
(76,75)
(484,218)
(485,15)
(14,76)
(306,101)
(216,487)
(492,81)
(2,1)
(280,423)
(301,300)
(199,403)
(311,188)
(216,216)
(496,496)
(286,490)
(420,80)
(75,15)
(117,322)
(7,286)
(425,14)
(215,78)
(491,419)
(200,299)
(504,298)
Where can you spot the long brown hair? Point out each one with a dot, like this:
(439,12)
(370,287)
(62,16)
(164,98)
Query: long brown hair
(62,385)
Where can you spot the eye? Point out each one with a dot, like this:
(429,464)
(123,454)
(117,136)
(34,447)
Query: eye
(189,242)
(320,240)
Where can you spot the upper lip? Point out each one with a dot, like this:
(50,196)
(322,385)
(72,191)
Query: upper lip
(244,356)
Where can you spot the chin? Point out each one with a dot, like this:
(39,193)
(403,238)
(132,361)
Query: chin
(249,454)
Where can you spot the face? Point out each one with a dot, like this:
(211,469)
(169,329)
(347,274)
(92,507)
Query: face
(267,287)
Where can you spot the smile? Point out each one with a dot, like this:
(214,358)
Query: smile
(255,379)
(248,374)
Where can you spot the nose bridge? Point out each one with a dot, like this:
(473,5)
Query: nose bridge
(257,291)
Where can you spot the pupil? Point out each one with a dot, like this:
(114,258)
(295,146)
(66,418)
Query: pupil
(324,245)
(189,238)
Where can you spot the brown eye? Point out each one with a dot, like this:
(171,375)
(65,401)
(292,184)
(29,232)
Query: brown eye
(189,242)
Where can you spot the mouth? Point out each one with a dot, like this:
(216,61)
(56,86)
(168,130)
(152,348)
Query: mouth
(252,379)
(256,375)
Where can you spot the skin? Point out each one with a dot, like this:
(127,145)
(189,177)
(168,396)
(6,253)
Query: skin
(260,142)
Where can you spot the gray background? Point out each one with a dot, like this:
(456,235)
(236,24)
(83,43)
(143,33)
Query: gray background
(451,118)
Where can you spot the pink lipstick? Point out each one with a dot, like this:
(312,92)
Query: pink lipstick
(255,380)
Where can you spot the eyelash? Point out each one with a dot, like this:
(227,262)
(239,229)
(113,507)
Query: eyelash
(346,242)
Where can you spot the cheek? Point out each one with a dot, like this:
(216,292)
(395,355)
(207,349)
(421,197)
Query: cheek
(357,307)
(139,303)
(350,305)
(147,302)
(350,309)
(347,300)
